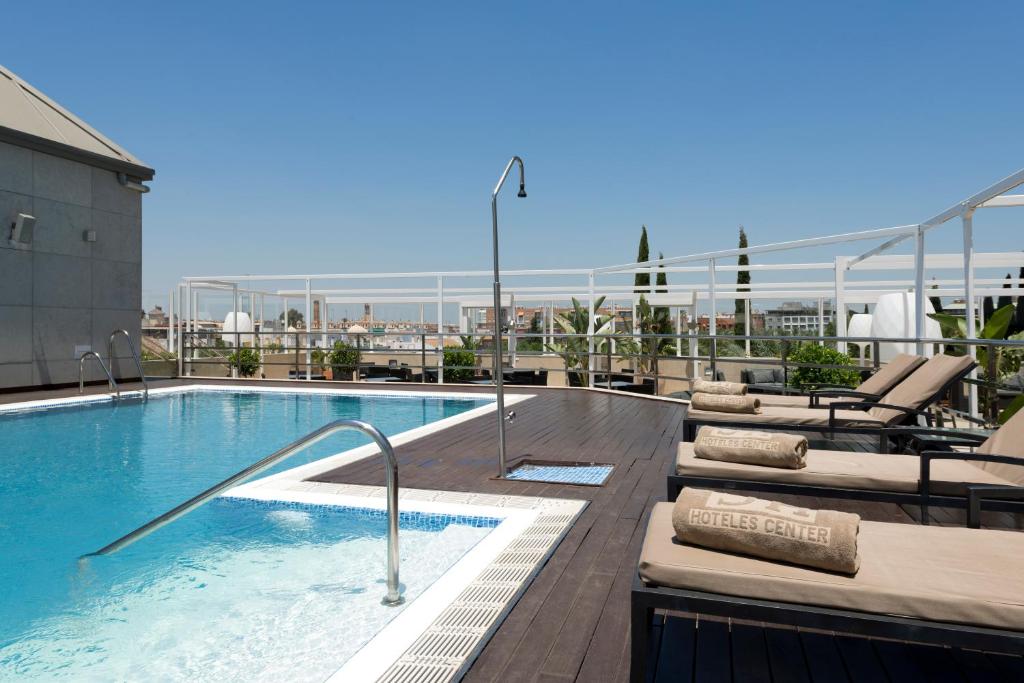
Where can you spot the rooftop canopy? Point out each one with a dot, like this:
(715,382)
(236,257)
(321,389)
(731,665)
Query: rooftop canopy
(28,118)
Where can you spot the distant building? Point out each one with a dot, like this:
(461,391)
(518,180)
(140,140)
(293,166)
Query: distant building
(70,241)
(795,317)
(155,318)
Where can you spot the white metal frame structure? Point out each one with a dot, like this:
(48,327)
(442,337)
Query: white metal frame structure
(560,285)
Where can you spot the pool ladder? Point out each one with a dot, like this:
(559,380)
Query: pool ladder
(108,371)
(393,596)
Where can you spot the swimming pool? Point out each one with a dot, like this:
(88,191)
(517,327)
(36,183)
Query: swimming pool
(210,592)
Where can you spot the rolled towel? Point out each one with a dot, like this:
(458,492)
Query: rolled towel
(723,403)
(824,539)
(770,449)
(703,386)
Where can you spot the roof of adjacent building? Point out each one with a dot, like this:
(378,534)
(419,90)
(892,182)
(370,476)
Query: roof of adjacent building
(29,118)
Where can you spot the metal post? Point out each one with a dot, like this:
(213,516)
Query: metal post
(189,340)
(170,321)
(323,323)
(238,337)
(821,320)
(679,332)
(967,219)
(309,328)
(440,334)
(590,329)
(840,302)
(746,326)
(499,382)
(919,301)
(713,320)
(423,355)
(991,381)
(608,369)
(179,335)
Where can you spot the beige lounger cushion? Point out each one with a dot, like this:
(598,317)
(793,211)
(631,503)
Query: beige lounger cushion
(727,403)
(703,386)
(945,574)
(795,400)
(890,374)
(1008,440)
(788,416)
(897,473)
(922,385)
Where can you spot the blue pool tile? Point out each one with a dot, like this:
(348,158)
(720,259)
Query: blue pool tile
(594,475)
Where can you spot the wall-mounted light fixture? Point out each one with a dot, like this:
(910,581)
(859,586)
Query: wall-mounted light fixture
(22,229)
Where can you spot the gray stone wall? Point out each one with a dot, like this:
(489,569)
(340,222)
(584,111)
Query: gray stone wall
(62,292)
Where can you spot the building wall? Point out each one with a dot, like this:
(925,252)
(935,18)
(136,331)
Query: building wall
(62,292)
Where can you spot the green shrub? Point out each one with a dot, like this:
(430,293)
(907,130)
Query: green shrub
(246,361)
(821,355)
(765,348)
(343,359)
(461,363)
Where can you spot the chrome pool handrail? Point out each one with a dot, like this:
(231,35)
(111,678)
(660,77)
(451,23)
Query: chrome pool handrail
(81,373)
(393,596)
(135,357)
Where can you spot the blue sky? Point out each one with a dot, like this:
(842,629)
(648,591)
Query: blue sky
(329,137)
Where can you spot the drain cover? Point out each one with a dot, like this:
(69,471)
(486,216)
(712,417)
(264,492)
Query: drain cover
(580,473)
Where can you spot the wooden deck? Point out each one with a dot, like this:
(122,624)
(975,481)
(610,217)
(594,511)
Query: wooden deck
(573,621)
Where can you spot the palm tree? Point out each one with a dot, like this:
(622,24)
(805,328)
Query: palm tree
(575,350)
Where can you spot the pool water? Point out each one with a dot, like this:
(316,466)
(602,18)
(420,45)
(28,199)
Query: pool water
(75,478)
(268,591)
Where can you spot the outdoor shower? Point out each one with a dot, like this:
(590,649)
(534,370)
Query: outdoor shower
(499,379)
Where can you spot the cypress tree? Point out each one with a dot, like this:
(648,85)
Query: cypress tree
(742,278)
(642,281)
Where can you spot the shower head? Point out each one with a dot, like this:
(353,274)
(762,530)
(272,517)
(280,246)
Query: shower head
(522,190)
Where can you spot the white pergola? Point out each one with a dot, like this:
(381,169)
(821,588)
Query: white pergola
(560,285)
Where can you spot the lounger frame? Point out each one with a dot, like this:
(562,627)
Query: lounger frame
(691,424)
(646,599)
(923,497)
(1001,498)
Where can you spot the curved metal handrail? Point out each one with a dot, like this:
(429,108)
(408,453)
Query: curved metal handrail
(393,596)
(81,373)
(135,357)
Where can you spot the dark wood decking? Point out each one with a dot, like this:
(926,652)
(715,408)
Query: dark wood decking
(573,621)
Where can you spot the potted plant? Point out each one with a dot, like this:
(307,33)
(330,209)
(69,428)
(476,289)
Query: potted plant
(343,360)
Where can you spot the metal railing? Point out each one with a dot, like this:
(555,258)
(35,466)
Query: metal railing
(662,360)
(393,596)
(135,357)
(81,373)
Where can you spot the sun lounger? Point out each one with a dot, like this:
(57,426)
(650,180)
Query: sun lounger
(944,478)
(872,389)
(907,402)
(939,585)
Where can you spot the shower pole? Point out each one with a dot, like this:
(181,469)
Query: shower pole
(499,378)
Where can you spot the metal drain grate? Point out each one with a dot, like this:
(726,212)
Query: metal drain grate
(445,650)
(580,473)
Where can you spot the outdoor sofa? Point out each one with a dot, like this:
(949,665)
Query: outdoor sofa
(907,402)
(938,585)
(943,478)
